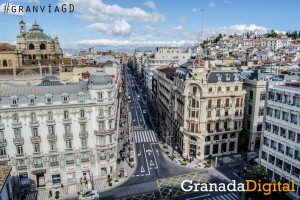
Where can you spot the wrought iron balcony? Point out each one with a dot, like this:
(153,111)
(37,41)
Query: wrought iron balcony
(34,123)
(16,124)
(38,165)
(70,162)
(19,140)
(67,121)
(50,122)
(54,163)
(100,117)
(104,132)
(22,167)
(85,159)
(82,119)
(35,139)
(68,136)
(83,134)
(52,137)
(3,142)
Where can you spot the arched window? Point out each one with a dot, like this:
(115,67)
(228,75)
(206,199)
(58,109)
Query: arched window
(4,63)
(236,88)
(219,103)
(194,90)
(242,101)
(42,46)
(207,139)
(219,89)
(46,57)
(33,57)
(66,114)
(31,46)
(193,138)
(210,89)
(195,103)
(232,135)
(209,103)
(224,136)
(237,101)
(42,56)
(30,57)
(216,137)
(227,102)
(227,88)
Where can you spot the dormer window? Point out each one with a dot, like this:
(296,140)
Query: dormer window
(227,77)
(81,97)
(100,96)
(65,98)
(31,100)
(219,76)
(14,101)
(48,98)
(236,77)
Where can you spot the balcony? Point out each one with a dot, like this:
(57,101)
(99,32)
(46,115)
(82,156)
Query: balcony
(83,134)
(37,153)
(54,163)
(19,140)
(209,107)
(38,165)
(100,117)
(35,139)
(52,137)
(22,167)
(82,119)
(68,136)
(228,105)
(85,159)
(1,126)
(111,116)
(16,124)
(20,155)
(34,123)
(104,132)
(3,143)
(50,122)
(70,162)
(67,121)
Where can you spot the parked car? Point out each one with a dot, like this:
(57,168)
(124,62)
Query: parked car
(91,194)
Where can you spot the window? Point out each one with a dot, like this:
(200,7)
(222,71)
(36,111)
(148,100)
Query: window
(66,115)
(19,149)
(85,157)
(262,96)
(249,110)
(219,89)
(65,99)
(101,113)
(33,117)
(261,112)
(259,127)
(82,127)
(216,137)
(51,130)
(282,132)
(101,141)
(69,144)
(101,126)
(231,146)
(207,139)
(70,159)
(236,88)
(42,46)
(232,135)
(34,132)
(50,115)
(208,114)
(67,129)
(31,46)
(219,103)
(194,90)
(2,151)
(36,148)
(292,135)
(1,136)
(224,136)
(81,98)
(82,114)
(100,96)
(52,146)
(270,112)
(275,129)
(31,101)
(209,103)
(227,102)
(210,89)
(207,150)
(84,143)
(277,114)
(227,89)
(49,100)
(294,119)
(285,116)
(4,63)
(251,95)
(111,124)
(14,101)
(56,179)
(215,148)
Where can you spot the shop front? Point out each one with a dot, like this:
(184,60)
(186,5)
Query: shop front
(40,177)
(24,180)
(193,147)
(71,177)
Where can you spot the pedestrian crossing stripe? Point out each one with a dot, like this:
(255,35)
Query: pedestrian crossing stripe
(230,196)
(145,136)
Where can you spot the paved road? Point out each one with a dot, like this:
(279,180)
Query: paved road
(156,175)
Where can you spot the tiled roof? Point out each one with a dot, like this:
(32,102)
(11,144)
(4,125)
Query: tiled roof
(224,76)
(6,47)
(168,70)
(4,173)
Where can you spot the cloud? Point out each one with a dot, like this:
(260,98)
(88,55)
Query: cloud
(195,9)
(150,4)
(212,4)
(227,1)
(117,28)
(2,6)
(97,10)
(125,43)
(177,28)
(182,19)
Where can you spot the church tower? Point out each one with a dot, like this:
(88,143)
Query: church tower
(22,26)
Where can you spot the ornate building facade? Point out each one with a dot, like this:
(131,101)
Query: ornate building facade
(208,110)
(53,133)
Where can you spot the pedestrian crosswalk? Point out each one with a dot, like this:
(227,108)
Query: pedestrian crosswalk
(144,136)
(229,196)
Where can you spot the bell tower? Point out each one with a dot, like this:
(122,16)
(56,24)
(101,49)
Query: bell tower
(22,27)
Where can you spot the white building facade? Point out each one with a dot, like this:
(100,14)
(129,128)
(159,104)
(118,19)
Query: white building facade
(53,133)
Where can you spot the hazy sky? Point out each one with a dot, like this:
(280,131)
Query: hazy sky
(135,23)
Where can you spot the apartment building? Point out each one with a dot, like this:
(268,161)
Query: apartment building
(53,133)
(208,109)
(275,43)
(279,151)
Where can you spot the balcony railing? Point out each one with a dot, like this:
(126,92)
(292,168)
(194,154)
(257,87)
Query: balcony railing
(82,119)
(68,136)
(52,137)
(22,167)
(83,134)
(70,162)
(16,124)
(3,142)
(100,117)
(34,123)
(38,165)
(35,139)
(19,140)
(54,163)
(67,121)
(104,132)
(50,122)
(85,159)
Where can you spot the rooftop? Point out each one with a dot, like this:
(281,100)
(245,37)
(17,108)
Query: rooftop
(4,173)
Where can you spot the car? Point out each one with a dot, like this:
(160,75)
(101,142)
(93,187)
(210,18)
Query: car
(144,111)
(91,194)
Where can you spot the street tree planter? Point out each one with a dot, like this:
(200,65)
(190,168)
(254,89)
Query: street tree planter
(57,195)
(109,181)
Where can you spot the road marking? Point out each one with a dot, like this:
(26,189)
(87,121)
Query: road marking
(148,151)
(151,163)
(154,155)
(139,153)
(143,133)
(137,175)
(146,159)
(142,169)
(206,195)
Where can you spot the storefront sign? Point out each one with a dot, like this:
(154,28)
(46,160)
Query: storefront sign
(70,168)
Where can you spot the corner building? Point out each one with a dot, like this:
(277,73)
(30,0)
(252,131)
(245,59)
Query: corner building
(208,112)
(54,133)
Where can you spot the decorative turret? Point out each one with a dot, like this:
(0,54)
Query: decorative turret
(22,26)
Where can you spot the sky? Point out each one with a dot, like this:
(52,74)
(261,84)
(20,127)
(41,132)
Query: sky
(130,24)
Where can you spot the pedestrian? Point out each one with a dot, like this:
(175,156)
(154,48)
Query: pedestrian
(81,181)
(50,193)
(61,185)
(86,182)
